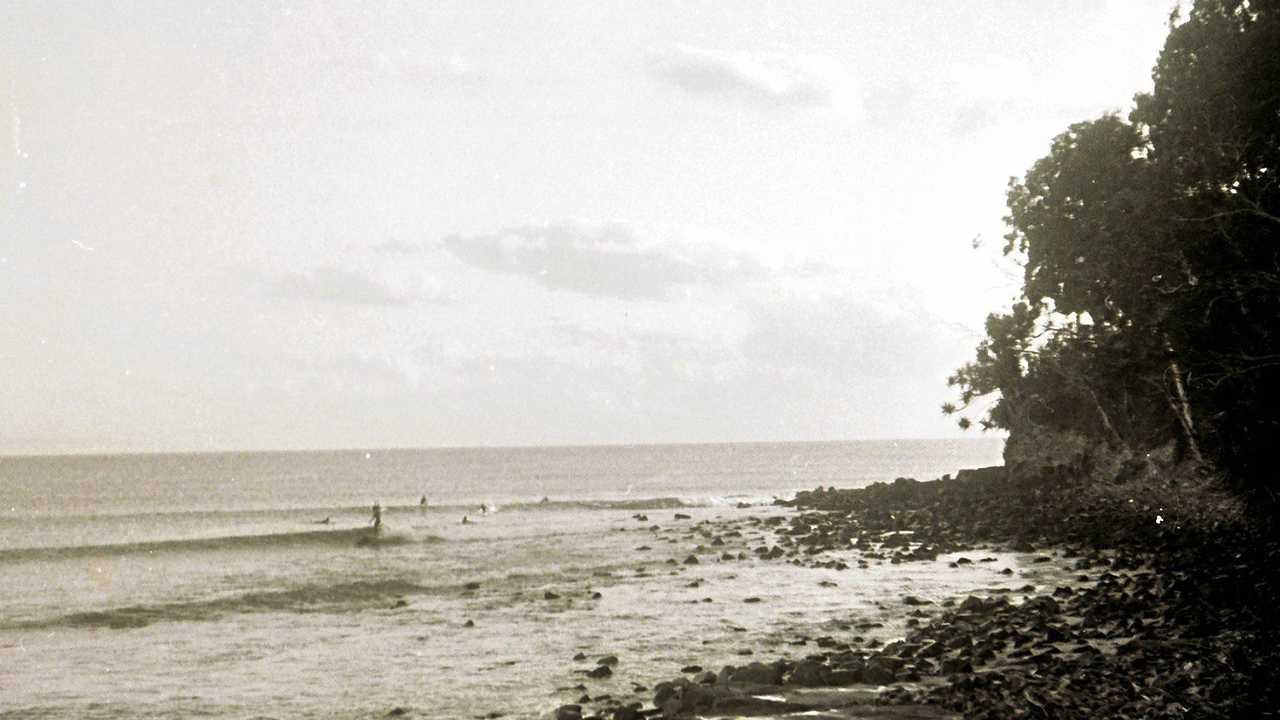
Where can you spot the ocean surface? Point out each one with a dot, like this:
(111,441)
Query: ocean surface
(210,585)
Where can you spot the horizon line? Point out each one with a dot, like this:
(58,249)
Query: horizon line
(564,446)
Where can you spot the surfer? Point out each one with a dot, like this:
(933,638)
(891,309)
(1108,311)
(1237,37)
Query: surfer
(465,521)
(484,509)
(376,521)
(422,504)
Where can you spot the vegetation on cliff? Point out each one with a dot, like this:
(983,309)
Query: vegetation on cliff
(1150,309)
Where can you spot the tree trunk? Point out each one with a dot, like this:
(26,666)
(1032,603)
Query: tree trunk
(1112,435)
(1181,406)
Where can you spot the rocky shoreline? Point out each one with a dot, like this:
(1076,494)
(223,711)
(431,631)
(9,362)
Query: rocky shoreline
(1167,614)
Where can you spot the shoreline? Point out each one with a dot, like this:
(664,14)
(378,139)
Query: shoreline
(1135,633)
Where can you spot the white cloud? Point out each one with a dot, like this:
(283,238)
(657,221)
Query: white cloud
(771,79)
(353,286)
(428,70)
(604,260)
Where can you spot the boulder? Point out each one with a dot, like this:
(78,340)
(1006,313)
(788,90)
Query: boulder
(809,674)
(569,712)
(757,674)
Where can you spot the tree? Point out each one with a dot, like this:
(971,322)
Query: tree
(1151,295)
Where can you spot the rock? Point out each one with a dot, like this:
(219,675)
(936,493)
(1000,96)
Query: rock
(809,674)
(756,674)
(569,712)
(397,712)
(876,675)
(953,666)
(608,660)
(752,600)
(691,560)
(548,595)
(601,671)
(691,669)
(681,516)
(705,678)
(844,676)
(580,656)
(913,600)
(471,586)
(469,623)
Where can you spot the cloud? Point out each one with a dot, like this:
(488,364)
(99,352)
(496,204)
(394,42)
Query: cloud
(351,286)
(775,79)
(397,247)
(606,261)
(426,70)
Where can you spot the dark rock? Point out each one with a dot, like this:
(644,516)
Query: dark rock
(809,674)
(608,660)
(569,712)
(876,675)
(600,671)
(756,674)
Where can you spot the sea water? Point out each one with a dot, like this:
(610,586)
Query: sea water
(249,585)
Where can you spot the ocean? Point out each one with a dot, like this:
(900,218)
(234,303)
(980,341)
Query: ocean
(248,585)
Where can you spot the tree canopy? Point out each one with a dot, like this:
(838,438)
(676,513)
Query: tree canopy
(1150,307)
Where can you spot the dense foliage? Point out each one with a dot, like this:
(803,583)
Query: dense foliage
(1151,299)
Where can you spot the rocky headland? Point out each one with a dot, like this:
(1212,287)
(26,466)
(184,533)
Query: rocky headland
(1169,612)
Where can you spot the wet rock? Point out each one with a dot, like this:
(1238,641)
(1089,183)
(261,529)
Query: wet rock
(600,671)
(569,712)
(809,674)
(608,660)
(681,516)
(548,595)
(756,674)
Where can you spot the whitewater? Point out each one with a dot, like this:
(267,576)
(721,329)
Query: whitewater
(233,585)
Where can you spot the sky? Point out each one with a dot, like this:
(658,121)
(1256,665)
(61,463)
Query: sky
(399,224)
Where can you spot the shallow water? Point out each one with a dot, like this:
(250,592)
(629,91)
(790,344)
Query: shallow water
(124,613)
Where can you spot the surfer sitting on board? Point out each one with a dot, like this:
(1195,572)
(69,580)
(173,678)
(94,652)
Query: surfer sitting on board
(376,521)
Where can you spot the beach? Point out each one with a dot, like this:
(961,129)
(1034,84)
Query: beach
(987,594)
(138,586)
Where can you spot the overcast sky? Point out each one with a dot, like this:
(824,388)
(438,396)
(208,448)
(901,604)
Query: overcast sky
(284,225)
